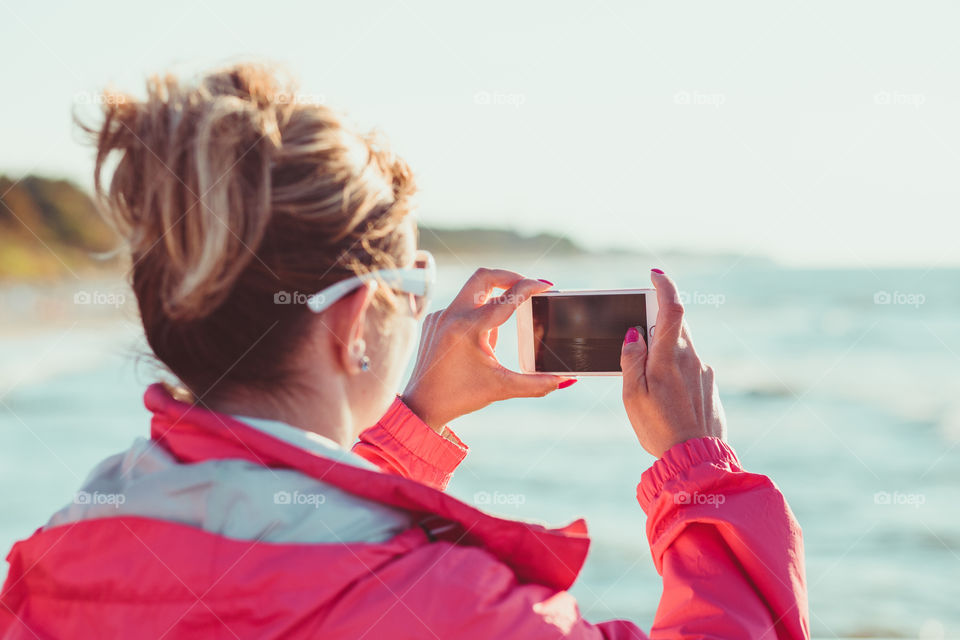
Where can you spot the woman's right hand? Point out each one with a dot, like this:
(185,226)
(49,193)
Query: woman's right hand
(457,371)
(669,394)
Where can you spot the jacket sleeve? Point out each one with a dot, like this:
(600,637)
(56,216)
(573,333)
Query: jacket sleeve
(401,443)
(727,546)
(724,540)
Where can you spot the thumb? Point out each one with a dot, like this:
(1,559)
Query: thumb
(529,385)
(633,360)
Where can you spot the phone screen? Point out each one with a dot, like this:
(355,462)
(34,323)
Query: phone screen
(584,332)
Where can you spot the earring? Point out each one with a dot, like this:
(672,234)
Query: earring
(359,347)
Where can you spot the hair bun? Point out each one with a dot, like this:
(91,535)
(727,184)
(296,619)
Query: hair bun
(231,192)
(193,179)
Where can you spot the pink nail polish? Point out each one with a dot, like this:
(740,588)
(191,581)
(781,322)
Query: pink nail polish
(657,271)
(545,281)
(566,383)
(632,335)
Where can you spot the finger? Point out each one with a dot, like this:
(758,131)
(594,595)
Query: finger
(529,385)
(498,310)
(478,287)
(633,361)
(669,313)
(493,338)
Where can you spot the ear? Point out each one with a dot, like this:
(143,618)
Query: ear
(346,322)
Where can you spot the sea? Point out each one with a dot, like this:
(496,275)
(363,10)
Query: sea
(841,384)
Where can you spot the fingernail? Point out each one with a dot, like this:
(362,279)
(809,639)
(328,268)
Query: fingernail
(566,383)
(632,335)
(657,271)
(545,281)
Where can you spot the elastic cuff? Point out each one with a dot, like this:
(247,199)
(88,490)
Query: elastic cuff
(415,436)
(681,457)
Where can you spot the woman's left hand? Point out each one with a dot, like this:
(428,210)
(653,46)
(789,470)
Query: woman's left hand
(457,371)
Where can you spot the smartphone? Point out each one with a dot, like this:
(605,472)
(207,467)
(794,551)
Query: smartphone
(580,332)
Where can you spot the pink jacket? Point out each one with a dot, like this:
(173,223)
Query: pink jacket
(732,567)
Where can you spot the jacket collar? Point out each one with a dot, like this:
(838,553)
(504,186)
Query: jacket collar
(552,557)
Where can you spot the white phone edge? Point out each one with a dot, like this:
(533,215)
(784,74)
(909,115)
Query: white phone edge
(525,327)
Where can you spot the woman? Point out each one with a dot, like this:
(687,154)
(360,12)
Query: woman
(275,267)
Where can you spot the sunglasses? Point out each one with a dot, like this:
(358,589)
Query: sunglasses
(415,282)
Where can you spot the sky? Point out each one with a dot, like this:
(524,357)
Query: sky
(816,133)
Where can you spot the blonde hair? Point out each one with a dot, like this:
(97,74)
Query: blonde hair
(232,190)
